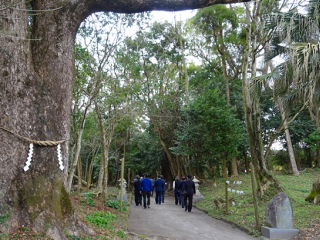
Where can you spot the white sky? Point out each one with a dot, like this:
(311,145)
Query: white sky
(161,16)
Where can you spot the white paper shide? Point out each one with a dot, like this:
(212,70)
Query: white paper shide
(28,163)
(60,157)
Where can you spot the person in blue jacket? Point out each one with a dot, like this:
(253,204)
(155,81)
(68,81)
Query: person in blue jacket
(158,186)
(146,189)
(180,191)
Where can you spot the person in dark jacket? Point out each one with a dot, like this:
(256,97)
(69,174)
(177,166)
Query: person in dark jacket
(176,190)
(189,189)
(153,181)
(180,191)
(164,189)
(146,189)
(158,187)
(137,194)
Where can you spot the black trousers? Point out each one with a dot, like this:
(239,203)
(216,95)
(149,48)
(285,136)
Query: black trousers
(158,197)
(189,205)
(146,194)
(137,197)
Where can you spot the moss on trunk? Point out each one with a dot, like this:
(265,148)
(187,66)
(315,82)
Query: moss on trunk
(314,191)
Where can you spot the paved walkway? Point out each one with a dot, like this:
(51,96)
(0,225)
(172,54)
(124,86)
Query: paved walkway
(168,221)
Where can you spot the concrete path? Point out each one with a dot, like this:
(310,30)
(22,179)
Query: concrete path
(169,221)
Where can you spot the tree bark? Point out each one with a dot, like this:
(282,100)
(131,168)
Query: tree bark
(234,167)
(172,163)
(35,92)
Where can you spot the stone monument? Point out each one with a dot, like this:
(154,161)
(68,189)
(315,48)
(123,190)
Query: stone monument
(124,192)
(198,197)
(279,218)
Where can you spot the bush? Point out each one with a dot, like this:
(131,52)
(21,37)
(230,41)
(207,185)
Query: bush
(115,204)
(4,236)
(88,199)
(100,219)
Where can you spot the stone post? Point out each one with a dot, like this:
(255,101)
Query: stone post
(279,218)
(124,191)
(198,196)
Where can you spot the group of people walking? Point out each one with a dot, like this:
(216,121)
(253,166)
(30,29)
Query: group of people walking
(144,188)
(183,191)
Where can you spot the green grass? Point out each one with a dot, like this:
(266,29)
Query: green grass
(296,187)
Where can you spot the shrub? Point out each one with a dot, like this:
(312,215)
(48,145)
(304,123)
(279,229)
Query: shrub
(88,199)
(115,204)
(100,219)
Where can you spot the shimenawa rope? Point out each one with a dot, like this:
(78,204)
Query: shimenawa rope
(40,143)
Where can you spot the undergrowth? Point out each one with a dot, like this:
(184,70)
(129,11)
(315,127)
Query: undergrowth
(241,206)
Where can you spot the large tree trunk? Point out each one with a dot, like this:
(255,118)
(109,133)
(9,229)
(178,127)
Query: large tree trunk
(35,92)
(172,162)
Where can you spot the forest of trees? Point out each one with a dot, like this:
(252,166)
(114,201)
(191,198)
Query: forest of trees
(184,97)
(173,98)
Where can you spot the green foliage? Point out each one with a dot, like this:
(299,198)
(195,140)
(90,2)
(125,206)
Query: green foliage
(4,236)
(25,229)
(101,219)
(121,234)
(115,204)
(88,199)
(74,237)
(5,216)
(209,129)
(313,140)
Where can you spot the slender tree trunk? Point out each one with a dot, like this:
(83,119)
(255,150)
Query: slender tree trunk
(104,151)
(234,167)
(79,175)
(89,174)
(246,162)
(101,174)
(252,110)
(288,138)
(78,147)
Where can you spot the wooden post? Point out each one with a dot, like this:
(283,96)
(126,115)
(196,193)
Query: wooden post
(122,174)
(121,190)
(128,178)
(255,196)
(226,184)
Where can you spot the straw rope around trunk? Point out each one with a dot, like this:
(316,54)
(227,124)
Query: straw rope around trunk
(40,143)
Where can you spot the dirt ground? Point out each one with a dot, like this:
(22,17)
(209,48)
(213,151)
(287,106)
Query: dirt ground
(169,221)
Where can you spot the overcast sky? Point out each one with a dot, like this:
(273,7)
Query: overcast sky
(161,16)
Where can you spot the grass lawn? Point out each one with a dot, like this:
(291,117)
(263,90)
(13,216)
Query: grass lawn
(306,216)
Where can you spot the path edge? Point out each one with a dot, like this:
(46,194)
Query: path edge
(238,226)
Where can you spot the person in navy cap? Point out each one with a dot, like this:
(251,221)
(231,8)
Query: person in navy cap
(146,189)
